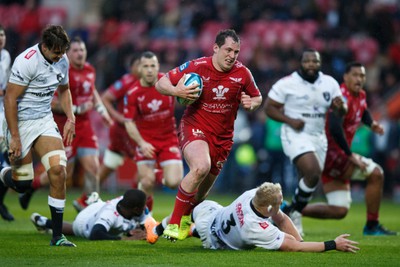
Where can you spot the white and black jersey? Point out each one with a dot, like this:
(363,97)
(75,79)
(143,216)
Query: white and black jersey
(5,62)
(237,226)
(306,101)
(42,78)
(106,214)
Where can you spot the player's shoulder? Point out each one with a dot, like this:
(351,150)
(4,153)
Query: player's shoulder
(288,79)
(128,78)
(200,61)
(5,54)
(195,64)
(325,78)
(88,67)
(29,56)
(134,89)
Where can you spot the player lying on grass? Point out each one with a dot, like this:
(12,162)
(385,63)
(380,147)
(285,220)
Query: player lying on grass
(109,220)
(249,222)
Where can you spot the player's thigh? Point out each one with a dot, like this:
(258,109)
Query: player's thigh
(89,159)
(45,144)
(173,170)
(197,154)
(308,164)
(295,145)
(145,170)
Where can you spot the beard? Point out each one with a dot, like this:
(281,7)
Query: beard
(311,78)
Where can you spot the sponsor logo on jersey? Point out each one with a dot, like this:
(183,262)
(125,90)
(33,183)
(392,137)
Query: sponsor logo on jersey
(205,79)
(316,115)
(141,98)
(239,213)
(200,62)
(264,225)
(197,132)
(220,92)
(60,77)
(41,80)
(327,96)
(44,94)
(30,54)
(154,105)
(184,66)
(236,80)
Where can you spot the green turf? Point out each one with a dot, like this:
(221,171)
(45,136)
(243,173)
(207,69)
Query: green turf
(21,244)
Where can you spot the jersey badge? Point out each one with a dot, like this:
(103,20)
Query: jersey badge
(184,66)
(236,80)
(154,105)
(327,96)
(264,225)
(220,92)
(205,79)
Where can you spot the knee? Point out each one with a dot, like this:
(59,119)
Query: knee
(200,171)
(21,185)
(58,172)
(147,182)
(340,212)
(171,182)
(311,179)
(93,169)
(339,202)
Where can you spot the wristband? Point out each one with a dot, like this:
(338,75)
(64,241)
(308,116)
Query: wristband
(330,245)
(71,121)
(101,109)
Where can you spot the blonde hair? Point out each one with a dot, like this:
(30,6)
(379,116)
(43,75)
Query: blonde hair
(266,194)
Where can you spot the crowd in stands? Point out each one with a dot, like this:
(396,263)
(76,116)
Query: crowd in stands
(273,34)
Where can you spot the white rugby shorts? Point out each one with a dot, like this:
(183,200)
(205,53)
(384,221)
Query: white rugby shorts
(296,143)
(203,215)
(30,130)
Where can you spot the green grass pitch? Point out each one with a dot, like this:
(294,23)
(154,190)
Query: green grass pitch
(22,245)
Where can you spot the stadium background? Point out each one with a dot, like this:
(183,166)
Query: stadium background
(273,34)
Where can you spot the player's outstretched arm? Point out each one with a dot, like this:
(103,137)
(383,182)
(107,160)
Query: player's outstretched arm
(341,243)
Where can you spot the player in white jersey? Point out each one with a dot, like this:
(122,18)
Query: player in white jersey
(110,220)
(248,222)
(301,101)
(5,61)
(35,75)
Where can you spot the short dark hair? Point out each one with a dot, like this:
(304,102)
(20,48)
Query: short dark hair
(223,34)
(75,39)
(2,28)
(55,37)
(133,198)
(308,50)
(351,65)
(148,54)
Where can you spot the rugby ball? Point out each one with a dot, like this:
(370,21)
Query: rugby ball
(191,79)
